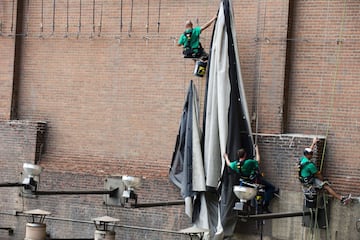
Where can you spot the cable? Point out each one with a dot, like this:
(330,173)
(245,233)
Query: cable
(93,19)
(131,18)
(101,17)
(259,63)
(322,65)
(42,19)
(158,23)
(12,18)
(67,19)
(338,50)
(121,15)
(79,26)
(148,17)
(53,17)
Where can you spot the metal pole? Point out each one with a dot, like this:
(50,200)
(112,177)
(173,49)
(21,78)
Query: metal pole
(276,215)
(12,184)
(110,192)
(158,204)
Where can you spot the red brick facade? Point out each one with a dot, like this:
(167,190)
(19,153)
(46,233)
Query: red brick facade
(110,82)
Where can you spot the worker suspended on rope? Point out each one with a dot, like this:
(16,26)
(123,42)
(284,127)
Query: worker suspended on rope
(312,179)
(250,172)
(190,40)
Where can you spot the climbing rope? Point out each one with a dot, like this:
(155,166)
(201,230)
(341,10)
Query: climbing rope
(12,18)
(93,18)
(131,18)
(322,65)
(259,63)
(27,17)
(79,25)
(101,17)
(338,50)
(148,17)
(42,19)
(67,19)
(158,22)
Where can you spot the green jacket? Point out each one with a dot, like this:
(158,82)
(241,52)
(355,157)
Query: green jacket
(249,167)
(308,169)
(194,41)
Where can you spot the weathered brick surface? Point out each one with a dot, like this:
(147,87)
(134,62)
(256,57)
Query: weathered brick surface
(112,99)
(7,49)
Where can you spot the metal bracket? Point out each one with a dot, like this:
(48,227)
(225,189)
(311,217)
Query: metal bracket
(115,199)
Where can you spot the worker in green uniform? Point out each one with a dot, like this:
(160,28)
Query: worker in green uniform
(250,172)
(190,39)
(310,176)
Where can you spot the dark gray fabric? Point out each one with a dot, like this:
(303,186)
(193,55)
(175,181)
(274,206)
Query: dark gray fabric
(239,132)
(226,128)
(181,164)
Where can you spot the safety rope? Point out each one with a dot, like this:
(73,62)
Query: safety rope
(131,18)
(101,17)
(158,22)
(338,50)
(259,63)
(67,20)
(12,17)
(93,18)
(339,45)
(326,202)
(42,19)
(148,17)
(322,65)
(79,26)
(27,17)
(121,16)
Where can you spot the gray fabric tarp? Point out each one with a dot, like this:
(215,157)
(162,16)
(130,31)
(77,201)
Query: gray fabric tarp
(226,128)
(187,170)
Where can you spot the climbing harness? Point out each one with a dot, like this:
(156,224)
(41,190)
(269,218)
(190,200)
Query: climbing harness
(304,180)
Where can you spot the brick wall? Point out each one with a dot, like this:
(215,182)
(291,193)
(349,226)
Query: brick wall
(18,145)
(7,48)
(112,99)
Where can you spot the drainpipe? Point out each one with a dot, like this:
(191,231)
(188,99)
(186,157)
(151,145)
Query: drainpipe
(17,57)
(288,65)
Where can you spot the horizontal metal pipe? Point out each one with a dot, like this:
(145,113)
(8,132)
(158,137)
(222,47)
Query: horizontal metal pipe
(20,214)
(277,215)
(158,204)
(74,192)
(5,228)
(12,184)
(72,239)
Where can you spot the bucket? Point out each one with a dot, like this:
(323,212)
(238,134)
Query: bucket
(200,68)
(104,235)
(35,231)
